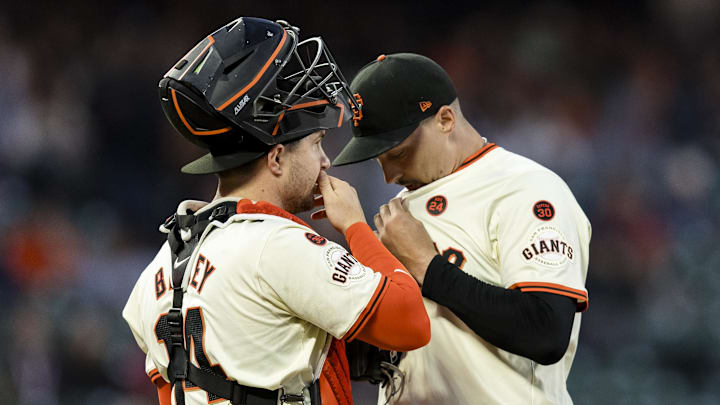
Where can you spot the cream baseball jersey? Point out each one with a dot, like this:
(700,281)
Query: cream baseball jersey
(512,223)
(264,296)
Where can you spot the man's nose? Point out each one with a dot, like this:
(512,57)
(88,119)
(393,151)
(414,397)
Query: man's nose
(391,174)
(324,162)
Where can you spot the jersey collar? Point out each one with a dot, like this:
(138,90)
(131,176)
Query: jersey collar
(488,147)
(246,206)
(476,156)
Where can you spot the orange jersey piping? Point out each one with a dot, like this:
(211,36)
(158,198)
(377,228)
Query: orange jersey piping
(532,286)
(476,156)
(368,311)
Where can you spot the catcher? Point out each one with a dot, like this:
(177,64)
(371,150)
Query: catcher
(245,303)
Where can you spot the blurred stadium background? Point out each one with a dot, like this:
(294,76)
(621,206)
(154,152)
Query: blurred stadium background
(621,98)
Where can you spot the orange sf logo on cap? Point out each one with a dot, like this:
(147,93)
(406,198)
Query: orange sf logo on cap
(357,112)
(424,105)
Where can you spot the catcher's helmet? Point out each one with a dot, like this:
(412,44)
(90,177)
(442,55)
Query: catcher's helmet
(250,85)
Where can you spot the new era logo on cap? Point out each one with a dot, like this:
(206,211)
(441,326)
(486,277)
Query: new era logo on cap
(424,105)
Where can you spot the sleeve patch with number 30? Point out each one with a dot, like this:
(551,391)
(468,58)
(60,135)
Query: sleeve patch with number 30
(543,210)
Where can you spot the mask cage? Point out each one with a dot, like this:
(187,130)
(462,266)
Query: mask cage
(308,77)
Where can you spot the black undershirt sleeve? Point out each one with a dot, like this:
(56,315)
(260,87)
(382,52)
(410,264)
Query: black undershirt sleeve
(535,325)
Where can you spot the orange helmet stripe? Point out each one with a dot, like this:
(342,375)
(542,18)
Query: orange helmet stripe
(187,125)
(258,76)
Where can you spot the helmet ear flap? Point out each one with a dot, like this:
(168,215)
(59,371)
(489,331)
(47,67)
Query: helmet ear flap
(190,113)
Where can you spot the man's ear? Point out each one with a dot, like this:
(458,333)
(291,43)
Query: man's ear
(445,119)
(274,158)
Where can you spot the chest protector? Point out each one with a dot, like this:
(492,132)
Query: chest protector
(184,234)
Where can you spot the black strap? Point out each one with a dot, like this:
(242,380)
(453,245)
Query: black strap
(180,367)
(236,393)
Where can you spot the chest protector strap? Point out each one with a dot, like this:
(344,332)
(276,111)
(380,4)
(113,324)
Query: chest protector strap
(184,234)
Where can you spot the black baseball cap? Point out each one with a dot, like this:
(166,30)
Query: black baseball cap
(398,91)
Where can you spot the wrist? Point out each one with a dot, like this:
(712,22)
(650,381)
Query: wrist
(420,266)
(353,226)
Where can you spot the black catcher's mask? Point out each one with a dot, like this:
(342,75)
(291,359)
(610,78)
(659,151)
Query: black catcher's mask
(250,85)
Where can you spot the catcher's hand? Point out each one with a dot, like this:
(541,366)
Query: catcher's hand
(340,200)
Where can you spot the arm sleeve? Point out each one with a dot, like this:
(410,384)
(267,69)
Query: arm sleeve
(536,325)
(399,320)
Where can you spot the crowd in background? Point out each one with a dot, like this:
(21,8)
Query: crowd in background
(621,99)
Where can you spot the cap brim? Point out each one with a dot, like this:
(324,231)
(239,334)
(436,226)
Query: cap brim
(210,164)
(361,148)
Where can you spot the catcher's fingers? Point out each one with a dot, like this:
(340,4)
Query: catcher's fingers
(338,184)
(334,181)
(319,214)
(318,201)
(378,222)
(324,185)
